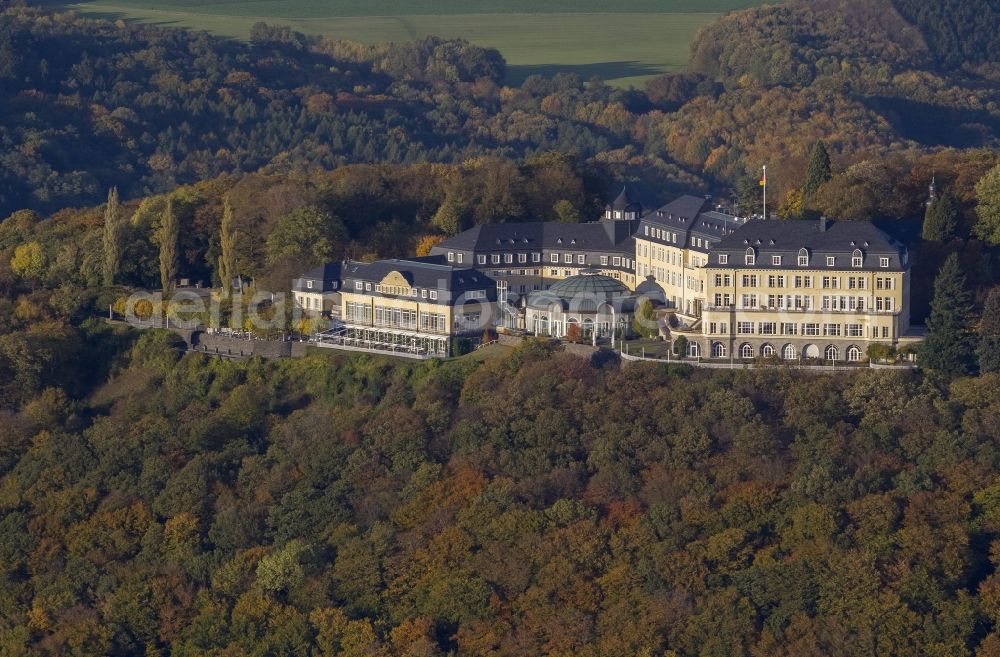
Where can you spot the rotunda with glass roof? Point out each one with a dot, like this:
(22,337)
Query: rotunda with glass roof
(590,300)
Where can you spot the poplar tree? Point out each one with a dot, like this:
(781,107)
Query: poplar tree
(818,171)
(949,346)
(113,228)
(988,350)
(941,219)
(227,241)
(168,234)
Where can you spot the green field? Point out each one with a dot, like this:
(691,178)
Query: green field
(623,42)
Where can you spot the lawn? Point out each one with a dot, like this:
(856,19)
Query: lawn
(624,42)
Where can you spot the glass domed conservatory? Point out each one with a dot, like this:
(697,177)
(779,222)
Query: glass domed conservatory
(598,304)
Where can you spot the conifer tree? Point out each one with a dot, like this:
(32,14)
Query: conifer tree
(167,238)
(949,346)
(941,219)
(988,350)
(227,241)
(113,229)
(818,171)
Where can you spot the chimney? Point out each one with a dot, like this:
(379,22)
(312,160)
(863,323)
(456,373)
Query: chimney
(822,224)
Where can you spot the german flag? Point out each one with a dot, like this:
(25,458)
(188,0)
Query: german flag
(763,178)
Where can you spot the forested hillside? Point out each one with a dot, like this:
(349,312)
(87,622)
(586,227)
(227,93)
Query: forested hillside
(531,505)
(89,104)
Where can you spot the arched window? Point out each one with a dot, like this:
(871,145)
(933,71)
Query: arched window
(853,354)
(788,352)
(831,353)
(751,257)
(767,351)
(718,350)
(857,258)
(746,351)
(803,258)
(693,350)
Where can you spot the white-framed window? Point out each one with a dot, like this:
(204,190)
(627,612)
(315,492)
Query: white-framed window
(831,261)
(458,257)
(750,258)
(718,350)
(803,258)
(854,330)
(581,259)
(434,295)
(776,260)
(522,257)
(536,257)
(810,328)
(857,258)
(616,261)
(481,259)
(767,351)
(554,257)
(358,285)
(853,354)
(883,262)
(508,258)
(645,230)
(495,258)
(788,352)
(604,260)
(723,259)
(831,353)
(368,287)
(744,328)
(746,351)
(567,258)
(451,256)
(831,330)
(309,284)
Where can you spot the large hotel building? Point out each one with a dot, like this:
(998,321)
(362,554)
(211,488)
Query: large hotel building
(734,287)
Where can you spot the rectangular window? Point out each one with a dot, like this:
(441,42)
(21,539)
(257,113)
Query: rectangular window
(522,257)
(568,258)
(854,331)
(883,262)
(750,259)
(581,259)
(616,261)
(358,285)
(723,259)
(554,257)
(810,329)
(831,261)
(604,260)
(459,258)
(768,328)
(368,287)
(776,260)
(495,258)
(536,257)
(434,295)
(645,230)
(749,280)
(856,261)
(508,258)
(831,330)
(744,328)
(451,256)
(885,331)
(481,259)
(789,328)
(423,294)
(803,261)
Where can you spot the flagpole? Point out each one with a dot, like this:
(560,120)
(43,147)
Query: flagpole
(765,191)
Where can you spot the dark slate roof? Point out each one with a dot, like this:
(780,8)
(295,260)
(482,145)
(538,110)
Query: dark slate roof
(840,238)
(625,202)
(536,236)
(327,276)
(690,216)
(431,272)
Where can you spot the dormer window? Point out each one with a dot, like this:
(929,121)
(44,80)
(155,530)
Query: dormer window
(883,262)
(750,258)
(451,256)
(723,258)
(776,260)
(857,258)
(831,261)
(309,284)
(618,214)
(803,258)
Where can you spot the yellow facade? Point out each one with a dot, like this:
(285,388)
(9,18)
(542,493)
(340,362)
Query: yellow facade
(677,270)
